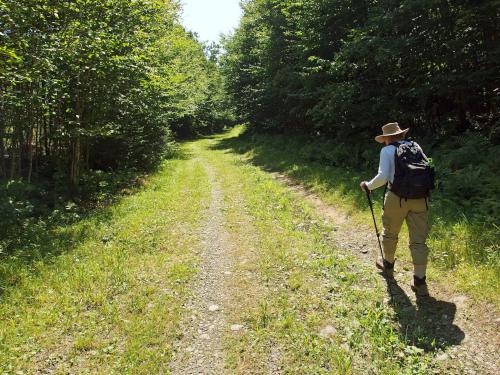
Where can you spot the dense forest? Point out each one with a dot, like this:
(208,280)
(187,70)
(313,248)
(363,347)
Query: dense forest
(98,85)
(338,67)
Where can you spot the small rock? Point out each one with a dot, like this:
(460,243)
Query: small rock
(327,331)
(205,337)
(213,308)
(228,273)
(236,327)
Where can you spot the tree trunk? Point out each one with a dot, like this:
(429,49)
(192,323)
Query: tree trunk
(463,123)
(45,135)
(30,155)
(3,166)
(75,161)
(77,144)
(87,155)
(12,161)
(38,148)
(20,154)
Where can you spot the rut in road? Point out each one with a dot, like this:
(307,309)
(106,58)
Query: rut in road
(200,351)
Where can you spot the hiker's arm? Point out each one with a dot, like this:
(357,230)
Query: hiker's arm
(383,171)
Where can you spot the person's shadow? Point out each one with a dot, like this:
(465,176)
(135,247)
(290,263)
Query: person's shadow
(429,324)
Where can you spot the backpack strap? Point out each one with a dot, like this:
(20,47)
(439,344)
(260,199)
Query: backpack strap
(388,185)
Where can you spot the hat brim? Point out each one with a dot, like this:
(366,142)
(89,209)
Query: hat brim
(382,137)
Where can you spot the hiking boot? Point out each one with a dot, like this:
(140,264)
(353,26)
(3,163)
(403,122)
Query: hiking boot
(419,286)
(386,267)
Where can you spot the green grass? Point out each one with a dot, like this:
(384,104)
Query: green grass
(307,284)
(464,248)
(106,295)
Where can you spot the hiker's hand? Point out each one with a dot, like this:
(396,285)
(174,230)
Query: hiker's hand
(364,187)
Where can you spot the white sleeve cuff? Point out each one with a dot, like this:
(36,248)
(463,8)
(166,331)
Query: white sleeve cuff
(378,181)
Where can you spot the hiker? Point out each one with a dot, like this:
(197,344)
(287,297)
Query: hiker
(404,170)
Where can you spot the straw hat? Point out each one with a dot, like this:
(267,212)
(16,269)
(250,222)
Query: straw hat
(390,130)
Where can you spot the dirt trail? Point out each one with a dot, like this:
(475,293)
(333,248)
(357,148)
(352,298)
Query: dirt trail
(469,332)
(464,336)
(200,351)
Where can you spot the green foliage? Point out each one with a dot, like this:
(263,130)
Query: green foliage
(31,212)
(88,85)
(92,94)
(468,175)
(345,67)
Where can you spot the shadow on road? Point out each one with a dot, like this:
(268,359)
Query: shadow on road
(429,324)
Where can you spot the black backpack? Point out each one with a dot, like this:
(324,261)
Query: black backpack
(414,178)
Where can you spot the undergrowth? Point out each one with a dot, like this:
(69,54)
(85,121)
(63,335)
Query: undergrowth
(31,210)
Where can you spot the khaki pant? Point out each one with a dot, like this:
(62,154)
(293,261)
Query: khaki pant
(415,212)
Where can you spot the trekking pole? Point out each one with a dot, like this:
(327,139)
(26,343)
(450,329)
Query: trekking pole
(375,222)
(389,288)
